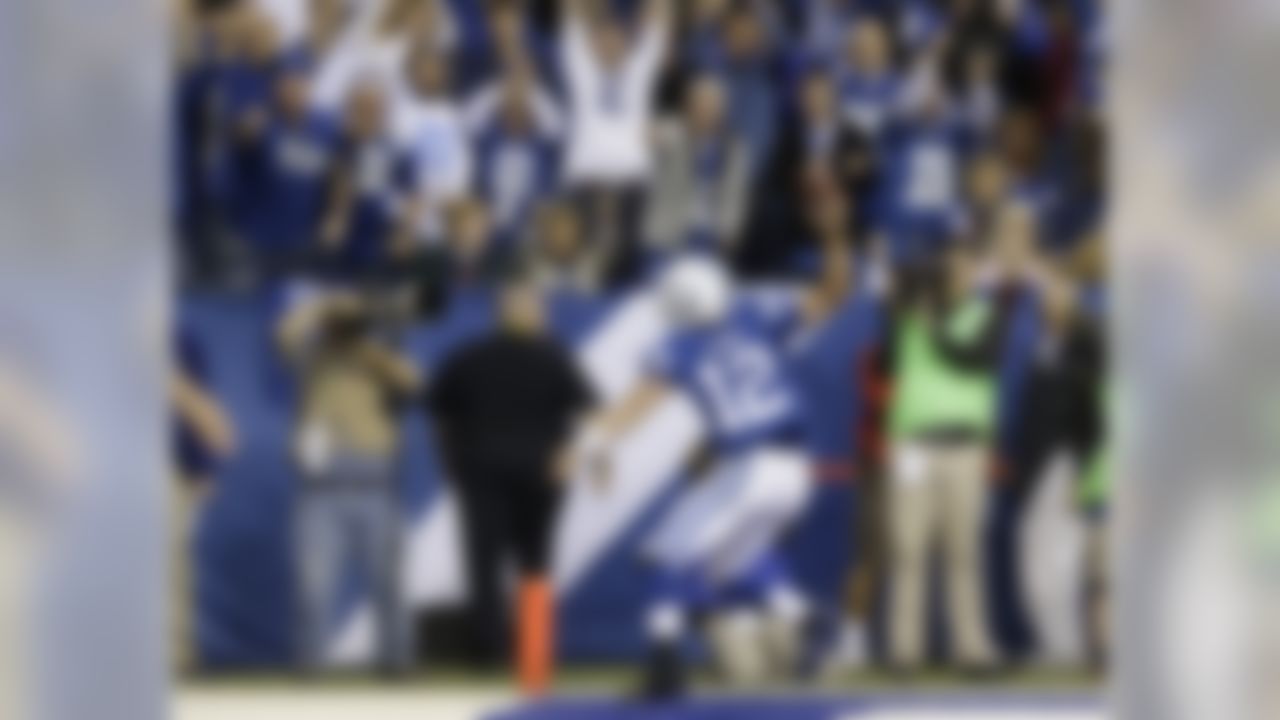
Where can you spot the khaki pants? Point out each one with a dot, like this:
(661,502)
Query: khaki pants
(938,492)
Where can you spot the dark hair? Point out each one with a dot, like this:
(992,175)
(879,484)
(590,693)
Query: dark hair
(348,327)
(516,275)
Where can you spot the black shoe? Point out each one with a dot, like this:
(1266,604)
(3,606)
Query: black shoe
(664,676)
(819,636)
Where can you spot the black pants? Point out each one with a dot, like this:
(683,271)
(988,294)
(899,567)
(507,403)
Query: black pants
(613,217)
(508,517)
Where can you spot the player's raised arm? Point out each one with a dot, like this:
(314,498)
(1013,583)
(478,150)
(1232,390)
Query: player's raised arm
(830,221)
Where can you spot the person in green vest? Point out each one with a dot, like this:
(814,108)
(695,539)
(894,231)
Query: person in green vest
(945,339)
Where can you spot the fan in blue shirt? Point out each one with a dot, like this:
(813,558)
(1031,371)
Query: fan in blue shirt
(299,146)
(245,87)
(869,84)
(517,152)
(921,208)
(372,207)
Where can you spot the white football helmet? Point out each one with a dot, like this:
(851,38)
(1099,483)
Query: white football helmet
(695,290)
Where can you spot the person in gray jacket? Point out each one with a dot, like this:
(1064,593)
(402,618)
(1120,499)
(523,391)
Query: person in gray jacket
(702,175)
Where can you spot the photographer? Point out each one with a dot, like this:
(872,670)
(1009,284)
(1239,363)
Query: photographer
(346,445)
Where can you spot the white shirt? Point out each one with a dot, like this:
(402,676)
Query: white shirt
(609,112)
(932,184)
(434,133)
(361,52)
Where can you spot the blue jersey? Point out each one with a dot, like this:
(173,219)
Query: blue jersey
(383,176)
(243,89)
(737,372)
(297,186)
(921,201)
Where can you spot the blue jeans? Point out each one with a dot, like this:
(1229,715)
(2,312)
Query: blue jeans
(349,517)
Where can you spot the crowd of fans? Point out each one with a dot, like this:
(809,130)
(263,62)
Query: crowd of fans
(585,141)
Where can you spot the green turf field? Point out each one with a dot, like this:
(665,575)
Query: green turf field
(454,695)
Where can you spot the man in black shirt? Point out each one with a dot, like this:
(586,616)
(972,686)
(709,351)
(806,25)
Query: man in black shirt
(505,408)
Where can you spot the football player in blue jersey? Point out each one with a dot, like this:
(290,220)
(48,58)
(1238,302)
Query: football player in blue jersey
(727,351)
